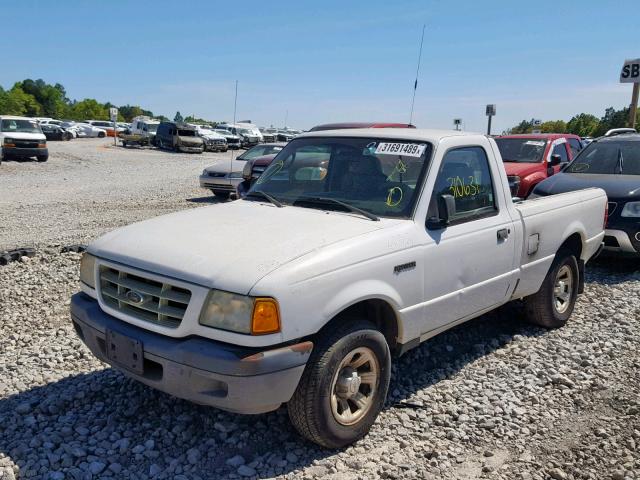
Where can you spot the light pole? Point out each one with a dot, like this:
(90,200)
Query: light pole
(490,112)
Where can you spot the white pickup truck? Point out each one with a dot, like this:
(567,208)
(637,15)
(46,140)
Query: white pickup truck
(353,247)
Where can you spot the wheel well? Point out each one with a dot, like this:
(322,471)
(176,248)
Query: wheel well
(377,311)
(573,244)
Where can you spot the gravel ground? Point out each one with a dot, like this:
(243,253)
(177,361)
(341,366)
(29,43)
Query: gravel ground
(89,187)
(494,398)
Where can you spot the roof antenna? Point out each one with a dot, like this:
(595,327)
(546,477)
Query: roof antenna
(415,85)
(235,104)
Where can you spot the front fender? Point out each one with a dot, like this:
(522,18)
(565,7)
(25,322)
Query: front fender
(362,290)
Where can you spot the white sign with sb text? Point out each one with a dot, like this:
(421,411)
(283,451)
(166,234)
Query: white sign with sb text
(630,72)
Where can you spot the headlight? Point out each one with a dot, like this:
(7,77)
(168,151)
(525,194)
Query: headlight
(87,270)
(631,209)
(240,313)
(9,141)
(235,175)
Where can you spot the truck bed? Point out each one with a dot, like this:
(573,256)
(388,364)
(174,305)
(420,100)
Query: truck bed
(546,221)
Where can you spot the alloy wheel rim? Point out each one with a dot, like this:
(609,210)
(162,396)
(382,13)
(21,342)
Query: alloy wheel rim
(563,289)
(354,386)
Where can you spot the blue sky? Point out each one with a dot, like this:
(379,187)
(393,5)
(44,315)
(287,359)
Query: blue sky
(330,60)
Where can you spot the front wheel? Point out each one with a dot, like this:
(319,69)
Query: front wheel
(101,134)
(344,385)
(553,304)
(42,158)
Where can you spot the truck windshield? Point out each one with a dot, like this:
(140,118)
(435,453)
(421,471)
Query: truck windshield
(380,176)
(524,150)
(19,126)
(152,127)
(620,157)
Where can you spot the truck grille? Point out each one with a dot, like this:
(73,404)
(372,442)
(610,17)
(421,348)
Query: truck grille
(142,298)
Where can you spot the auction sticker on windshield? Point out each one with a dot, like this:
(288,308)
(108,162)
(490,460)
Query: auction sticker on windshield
(406,149)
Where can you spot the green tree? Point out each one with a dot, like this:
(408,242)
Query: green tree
(52,99)
(583,124)
(612,119)
(17,102)
(178,118)
(88,109)
(525,126)
(554,126)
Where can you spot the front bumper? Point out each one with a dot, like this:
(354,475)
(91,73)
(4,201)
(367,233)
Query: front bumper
(188,149)
(204,371)
(622,241)
(220,183)
(25,152)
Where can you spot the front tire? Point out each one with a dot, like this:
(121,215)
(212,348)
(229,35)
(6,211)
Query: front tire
(344,385)
(222,195)
(101,134)
(553,304)
(42,158)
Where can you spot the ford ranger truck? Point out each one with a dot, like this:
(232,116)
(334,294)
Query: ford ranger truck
(352,248)
(531,158)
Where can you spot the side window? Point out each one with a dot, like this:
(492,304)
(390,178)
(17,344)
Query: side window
(561,150)
(465,174)
(575,146)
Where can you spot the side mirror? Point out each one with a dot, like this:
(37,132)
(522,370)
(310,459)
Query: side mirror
(246,171)
(555,160)
(446,211)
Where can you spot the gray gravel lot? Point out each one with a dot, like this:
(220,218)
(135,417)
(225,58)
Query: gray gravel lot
(494,398)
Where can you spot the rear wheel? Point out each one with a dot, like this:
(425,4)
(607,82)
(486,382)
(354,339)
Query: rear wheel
(344,385)
(101,134)
(42,158)
(553,304)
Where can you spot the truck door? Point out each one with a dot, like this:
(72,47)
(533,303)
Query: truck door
(469,264)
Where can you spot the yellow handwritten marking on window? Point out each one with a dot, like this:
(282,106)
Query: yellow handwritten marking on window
(400,167)
(461,188)
(394,197)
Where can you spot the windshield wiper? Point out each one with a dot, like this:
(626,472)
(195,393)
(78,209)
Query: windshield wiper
(260,193)
(620,164)
(325,200)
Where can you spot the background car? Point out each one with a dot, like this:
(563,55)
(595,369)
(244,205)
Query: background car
(55,132)
(224,177)
(88,131)
(233,141)
(529,159)
(613,164)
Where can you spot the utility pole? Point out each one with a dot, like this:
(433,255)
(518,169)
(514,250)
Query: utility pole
(630,73)
(634,105)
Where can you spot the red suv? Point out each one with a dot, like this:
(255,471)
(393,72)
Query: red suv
(529,159)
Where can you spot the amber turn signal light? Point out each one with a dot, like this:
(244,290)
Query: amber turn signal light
(265,318)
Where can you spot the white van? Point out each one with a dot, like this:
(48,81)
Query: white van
(22,137)
(145,126)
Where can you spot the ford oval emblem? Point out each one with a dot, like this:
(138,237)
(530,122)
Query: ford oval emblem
(135,297)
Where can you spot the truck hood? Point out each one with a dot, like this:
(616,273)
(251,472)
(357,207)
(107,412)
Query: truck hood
(226,166)
(618,187)
(24,135)
(523,169)
(228,246)
(192,141)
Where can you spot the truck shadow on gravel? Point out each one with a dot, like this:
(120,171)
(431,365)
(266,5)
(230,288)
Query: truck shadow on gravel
(105,423)
(90,421)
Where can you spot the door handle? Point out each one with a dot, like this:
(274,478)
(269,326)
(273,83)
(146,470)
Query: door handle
(503,234)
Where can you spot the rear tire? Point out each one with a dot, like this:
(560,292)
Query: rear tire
(101,134)
(553,304)
(42,158)
(344,385)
